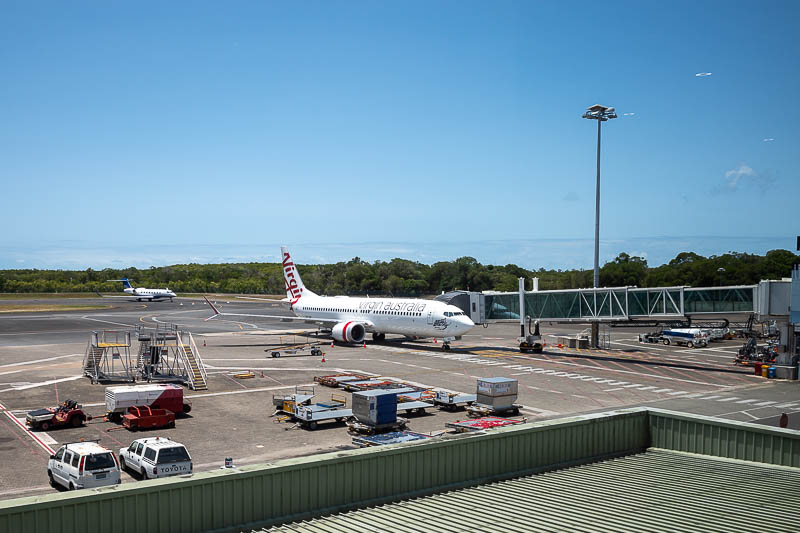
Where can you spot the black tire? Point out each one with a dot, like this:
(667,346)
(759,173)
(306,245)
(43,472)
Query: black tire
(44,426)
(690,344)
(666,342)
(187,408)
(515,411)
(122,464)
(51,480)
(446,347)
(76,421)
(71,486)
(312,425)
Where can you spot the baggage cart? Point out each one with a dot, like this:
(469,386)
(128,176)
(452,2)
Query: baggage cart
(392,437)
(479,424)
(450,401)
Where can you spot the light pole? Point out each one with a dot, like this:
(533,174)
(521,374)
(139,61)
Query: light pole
(600,113)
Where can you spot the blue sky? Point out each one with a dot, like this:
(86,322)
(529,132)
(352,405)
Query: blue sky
(155,133)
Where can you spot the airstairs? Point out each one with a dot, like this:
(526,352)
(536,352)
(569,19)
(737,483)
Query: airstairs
(108,357)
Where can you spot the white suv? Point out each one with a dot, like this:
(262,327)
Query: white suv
(156,457)
(83,465)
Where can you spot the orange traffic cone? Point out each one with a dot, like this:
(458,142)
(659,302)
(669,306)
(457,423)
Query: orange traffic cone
(331,344)
(435,341)
(204,344)
(262,373)
(323,357)
(365,344)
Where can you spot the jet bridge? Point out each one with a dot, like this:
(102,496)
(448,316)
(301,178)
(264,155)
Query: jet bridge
(621,303)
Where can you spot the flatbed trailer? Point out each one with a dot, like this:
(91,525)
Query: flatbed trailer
(309,416)
(481,410)
(296,351)
(413,407)
(369,384)
(450,401)
(393,437)
(338,380)
(479,424)
(356,427)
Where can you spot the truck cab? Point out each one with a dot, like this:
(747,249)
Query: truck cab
(155,457)
(83,465)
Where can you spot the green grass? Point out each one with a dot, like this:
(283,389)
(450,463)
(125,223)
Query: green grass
(42,295)
(40,308)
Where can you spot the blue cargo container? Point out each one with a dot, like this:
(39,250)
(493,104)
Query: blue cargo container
(375,407)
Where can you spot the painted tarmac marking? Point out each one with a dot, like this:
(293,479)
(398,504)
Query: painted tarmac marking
(36,439)
(40,360)
(41,384)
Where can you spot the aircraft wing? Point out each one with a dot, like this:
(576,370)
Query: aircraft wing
(327,322)
(285,300)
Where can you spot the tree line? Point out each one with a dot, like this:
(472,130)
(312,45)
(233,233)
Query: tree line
(401,277)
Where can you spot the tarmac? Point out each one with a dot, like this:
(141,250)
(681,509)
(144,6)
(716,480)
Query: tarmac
(41,356)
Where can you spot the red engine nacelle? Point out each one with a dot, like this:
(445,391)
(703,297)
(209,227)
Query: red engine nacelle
(349,332)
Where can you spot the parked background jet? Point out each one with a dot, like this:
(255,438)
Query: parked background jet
(141,293)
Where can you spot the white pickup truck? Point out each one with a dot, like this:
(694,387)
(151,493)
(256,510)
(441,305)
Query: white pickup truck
(155,457)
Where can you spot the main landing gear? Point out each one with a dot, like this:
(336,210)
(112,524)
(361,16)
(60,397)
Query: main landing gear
(378,337)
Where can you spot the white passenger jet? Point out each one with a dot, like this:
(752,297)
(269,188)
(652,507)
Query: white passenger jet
(349,319)
(140,293)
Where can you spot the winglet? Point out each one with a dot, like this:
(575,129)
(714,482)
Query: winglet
(216,311)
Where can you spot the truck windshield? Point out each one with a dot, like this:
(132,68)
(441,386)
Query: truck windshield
(173,455)
(99,461)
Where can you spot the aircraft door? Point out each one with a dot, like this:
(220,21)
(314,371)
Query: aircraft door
(430,318)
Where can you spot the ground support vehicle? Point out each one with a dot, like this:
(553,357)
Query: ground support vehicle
(684,337)
(156,396)
(393,437)
(309,416)
(750,353)
(450,401)
(338,380)
(286,403)
(83,465)
(479,424)
(532,342)
(155,457)
(69,413)
(650,338)
(144,417)
(369,384)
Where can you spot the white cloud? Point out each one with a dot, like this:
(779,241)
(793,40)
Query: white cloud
(735,177)
(571,196)
(703,74)
(768,139)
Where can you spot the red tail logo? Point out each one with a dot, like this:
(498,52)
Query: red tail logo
(292,286)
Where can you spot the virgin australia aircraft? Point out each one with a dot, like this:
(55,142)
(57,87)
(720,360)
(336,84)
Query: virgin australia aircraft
(140,293)
(350,319)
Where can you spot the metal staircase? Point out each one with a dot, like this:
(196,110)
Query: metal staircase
(198,379)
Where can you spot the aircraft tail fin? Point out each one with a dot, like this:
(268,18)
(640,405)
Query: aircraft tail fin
(291,276)
(126,284)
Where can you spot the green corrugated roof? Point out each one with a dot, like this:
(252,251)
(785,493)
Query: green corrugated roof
(657,490)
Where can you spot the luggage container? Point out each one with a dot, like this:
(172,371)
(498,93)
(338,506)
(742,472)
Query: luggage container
(375,407)
(338,380)
(497,393)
